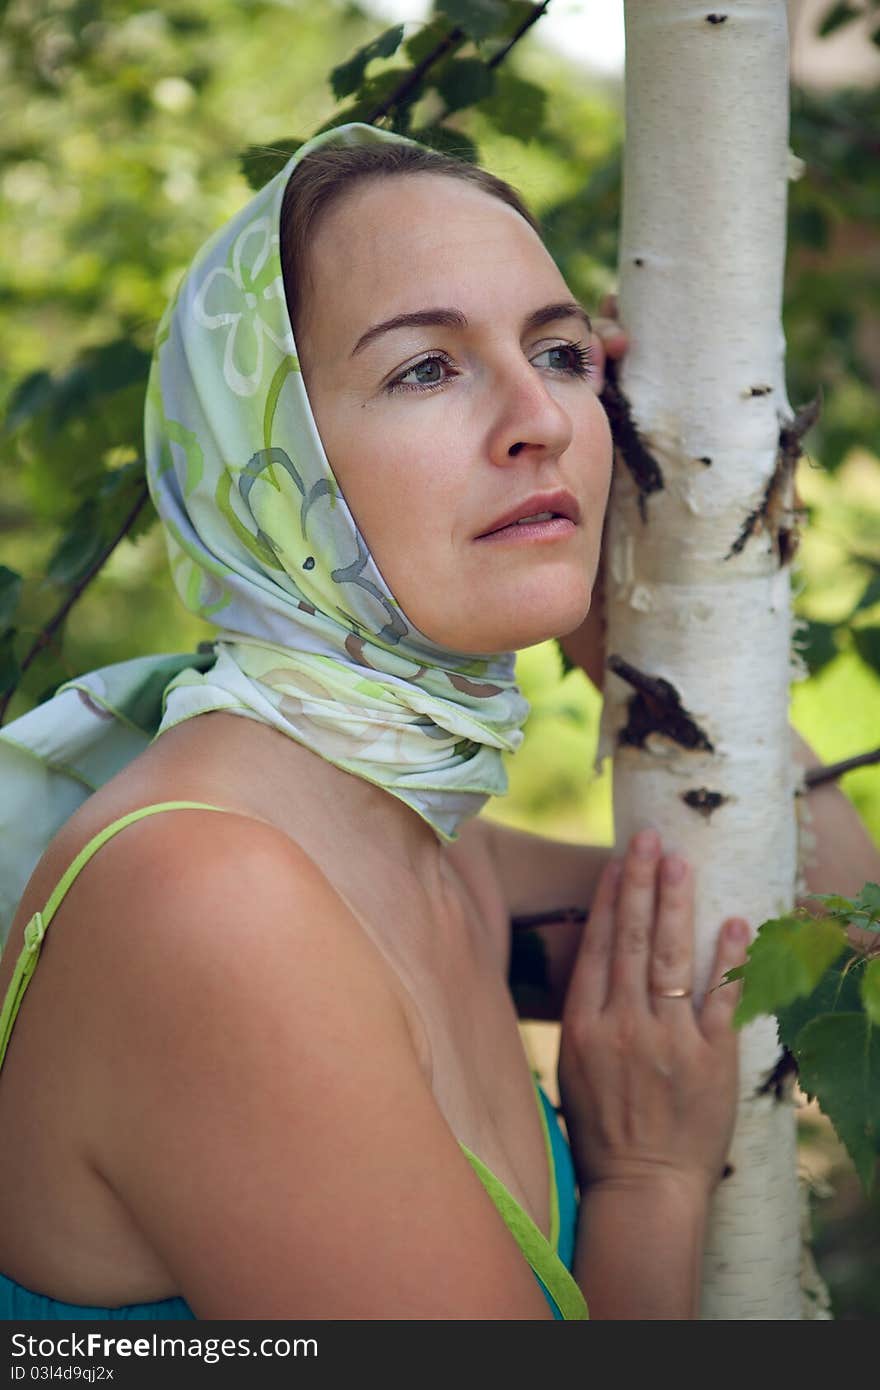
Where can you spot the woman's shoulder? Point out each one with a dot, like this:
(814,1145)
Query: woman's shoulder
(155,840)
(186,879)
(206,923)
(180,892)
(213,898)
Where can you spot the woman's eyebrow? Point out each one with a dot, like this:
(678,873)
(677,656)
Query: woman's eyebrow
(454,318)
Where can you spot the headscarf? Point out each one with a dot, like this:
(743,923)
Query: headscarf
(262,544)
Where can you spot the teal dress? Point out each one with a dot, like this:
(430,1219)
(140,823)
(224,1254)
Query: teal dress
(550,1260)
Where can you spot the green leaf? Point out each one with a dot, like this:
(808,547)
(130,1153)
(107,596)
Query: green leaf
(98,372)
(479,18)
(448,141)
(516,107)
(357,111)
(867,644)
(260,163)
(870,989)
(858,911)
(870,596)
(379,91)
(837,992)
(347,77)
(463,82)
(10,671)
(787,958)
(100,518)
(835,902)
(808,223)
(869,899)
(838,1059)
(837,16)
(426,40)
(29,398)
(565,661)
(817,646)
(10,592)
(79,548)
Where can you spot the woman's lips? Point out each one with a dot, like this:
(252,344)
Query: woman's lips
(556,529)
(540,506)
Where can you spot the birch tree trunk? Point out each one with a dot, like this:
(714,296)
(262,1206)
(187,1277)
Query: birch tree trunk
(701,533)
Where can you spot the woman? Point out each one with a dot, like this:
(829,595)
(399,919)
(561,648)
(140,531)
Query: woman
(279,1069)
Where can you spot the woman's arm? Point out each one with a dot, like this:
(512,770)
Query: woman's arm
(842,855)
(537,877)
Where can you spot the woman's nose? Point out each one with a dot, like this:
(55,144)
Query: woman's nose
(528,417)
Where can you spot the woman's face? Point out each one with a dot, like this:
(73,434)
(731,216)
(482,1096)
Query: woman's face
(439,426)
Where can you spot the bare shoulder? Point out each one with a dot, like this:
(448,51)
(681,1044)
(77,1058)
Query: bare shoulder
(208,898)
(264,1116)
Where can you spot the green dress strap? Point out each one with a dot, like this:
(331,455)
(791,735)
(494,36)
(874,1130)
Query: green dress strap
(36,927)
(537,1250)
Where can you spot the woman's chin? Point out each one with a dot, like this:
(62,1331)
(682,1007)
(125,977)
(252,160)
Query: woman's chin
(516,629)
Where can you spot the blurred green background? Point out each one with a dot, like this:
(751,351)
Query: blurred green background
(120,151)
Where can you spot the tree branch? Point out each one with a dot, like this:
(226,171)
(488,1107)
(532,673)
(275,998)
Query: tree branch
(453,40)
(817,775)
(515,38)
(45,636)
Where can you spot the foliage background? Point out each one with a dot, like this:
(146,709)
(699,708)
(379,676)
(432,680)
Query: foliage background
(119,154)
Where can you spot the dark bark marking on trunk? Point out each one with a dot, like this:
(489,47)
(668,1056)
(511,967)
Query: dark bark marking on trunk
(628,443)
(702,800)
(780,1081)
(759,391)
(716,18)
(704,458)
(656,708)
(776,515)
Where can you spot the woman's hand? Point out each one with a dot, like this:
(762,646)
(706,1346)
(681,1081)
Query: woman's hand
(648,1084)
(585,646)
(608,339)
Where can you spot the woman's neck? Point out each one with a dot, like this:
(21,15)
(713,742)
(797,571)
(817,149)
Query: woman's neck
(231,757)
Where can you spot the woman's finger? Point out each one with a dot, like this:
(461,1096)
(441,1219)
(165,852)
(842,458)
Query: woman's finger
(608,305)
(612,337)
(635,918)
(671,974)
(589,979)
(597,362)
(716,1015)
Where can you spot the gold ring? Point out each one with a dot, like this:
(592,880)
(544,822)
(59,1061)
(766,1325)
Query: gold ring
(672,993)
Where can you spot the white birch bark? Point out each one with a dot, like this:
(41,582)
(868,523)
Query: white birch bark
(701,266)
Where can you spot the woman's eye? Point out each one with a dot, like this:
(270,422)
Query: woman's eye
(422,375)
(574,358)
